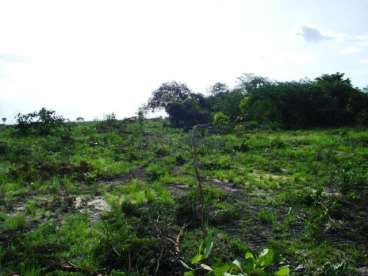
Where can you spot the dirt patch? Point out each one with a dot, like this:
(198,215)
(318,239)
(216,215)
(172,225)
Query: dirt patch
(178,190)
(19,207)
(138,173)
(93,207)
(225,186)
(98,204)
(260,176)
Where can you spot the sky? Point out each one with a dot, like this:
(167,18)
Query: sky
(89,58)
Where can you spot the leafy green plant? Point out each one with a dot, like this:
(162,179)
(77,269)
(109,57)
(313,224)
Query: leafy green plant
(263,264)
(14,222)
(267,216)
(204,251)
(221,122)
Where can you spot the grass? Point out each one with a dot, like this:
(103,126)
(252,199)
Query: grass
(302,193)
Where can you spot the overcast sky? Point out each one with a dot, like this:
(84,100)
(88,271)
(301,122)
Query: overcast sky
(88,58)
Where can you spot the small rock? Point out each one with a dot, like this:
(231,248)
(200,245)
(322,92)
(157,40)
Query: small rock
(363,271)
(99,204)
(19,208)
(77,202)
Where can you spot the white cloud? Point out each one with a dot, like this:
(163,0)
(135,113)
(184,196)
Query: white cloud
(364,61)
(311,34)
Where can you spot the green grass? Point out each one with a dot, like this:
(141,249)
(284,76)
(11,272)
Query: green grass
(302,193)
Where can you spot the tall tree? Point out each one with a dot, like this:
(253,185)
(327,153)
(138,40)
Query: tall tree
(249,81)
(184,107)
(218,88)
(167,93)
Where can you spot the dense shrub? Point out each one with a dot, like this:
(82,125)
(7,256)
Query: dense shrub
(227,103)
(330,100)
(327,101)
(187,113)
(109,123)
(42,122)
(221,121)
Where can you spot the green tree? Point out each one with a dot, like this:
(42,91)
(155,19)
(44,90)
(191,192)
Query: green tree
(218,88)
(168,93)
(226,103)
(42,122)
(187,113)
(184,107)
(249,81)
(340,92)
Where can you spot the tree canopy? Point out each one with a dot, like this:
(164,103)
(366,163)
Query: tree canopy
(329,100)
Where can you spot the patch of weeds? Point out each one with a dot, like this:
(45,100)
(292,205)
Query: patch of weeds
(138,193)
(12,190)
(155,171)
(267,216)
(13,222)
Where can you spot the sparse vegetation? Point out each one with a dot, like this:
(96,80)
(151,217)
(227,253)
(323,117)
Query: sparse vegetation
(94,205)
(239,196)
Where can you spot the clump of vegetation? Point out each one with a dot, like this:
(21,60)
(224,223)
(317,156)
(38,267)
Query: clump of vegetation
(327,101)
(184,107)
(221,122)
(108,123)
(42,122)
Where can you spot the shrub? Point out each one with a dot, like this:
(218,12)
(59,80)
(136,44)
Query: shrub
(42,122)
(109,123)
(221,122)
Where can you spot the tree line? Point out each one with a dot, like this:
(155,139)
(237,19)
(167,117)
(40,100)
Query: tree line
(327,101)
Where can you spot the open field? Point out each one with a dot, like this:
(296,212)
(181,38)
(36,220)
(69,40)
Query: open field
(121,198)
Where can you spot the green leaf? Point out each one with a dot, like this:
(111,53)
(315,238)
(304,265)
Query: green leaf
(189,273)
(208,244)
(238,264)
(248,265)
(208,249)
(265,258)
(283,271)
(185,265)
(206,267)
(197,258)
(265,252)
(258,272)
(200,248)
(249,255)
(221,270)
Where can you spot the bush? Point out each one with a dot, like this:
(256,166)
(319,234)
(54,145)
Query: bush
(134,239)
(221,122)
(42,122)
(109,123)
(187,113)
